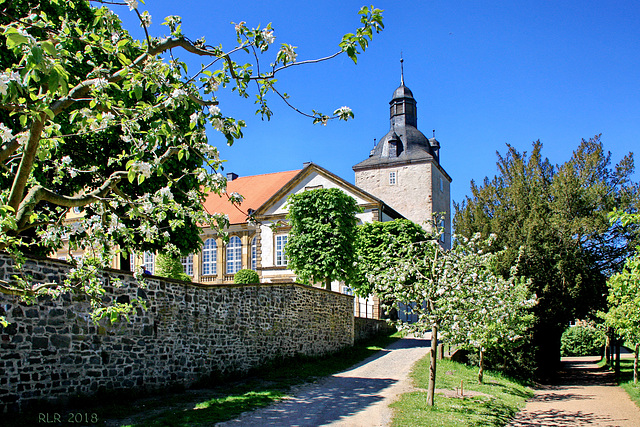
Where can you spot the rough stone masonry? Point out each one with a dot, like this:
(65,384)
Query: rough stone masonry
(52,351)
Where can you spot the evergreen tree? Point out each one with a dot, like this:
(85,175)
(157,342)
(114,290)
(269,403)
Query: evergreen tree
(558,216)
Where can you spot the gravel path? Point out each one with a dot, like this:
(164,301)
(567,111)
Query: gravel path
(359,396)
(585,396)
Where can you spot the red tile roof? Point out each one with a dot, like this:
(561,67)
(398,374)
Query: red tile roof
(256,190)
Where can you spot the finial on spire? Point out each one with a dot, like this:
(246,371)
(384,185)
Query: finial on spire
(401,69)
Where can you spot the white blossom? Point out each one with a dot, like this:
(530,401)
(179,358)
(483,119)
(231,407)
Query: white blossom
(66,160)
(143,168)
(288,52)
(5,133)
(145,19)
(133,4)
(194,118)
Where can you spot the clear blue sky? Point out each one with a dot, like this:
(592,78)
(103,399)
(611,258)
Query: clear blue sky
(484,74)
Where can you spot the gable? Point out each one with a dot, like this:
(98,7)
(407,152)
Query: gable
(312,177)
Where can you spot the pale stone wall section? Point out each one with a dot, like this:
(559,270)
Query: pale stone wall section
(416,193)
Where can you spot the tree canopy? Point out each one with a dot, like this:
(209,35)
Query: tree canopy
(374,240)
(557,217)
(457,293)
(623,314)
(94,120)
(321,244)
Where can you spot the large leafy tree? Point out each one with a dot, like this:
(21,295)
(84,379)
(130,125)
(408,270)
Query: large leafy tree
(93,119)
(321,244)
(374,240)
(624,295)
(557,217)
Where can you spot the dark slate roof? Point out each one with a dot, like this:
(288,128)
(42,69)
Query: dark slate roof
(402,92)
(415,148)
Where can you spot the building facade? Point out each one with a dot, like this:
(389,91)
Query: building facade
(402,178)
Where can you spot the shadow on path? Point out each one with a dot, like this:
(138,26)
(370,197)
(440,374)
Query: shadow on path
(339,397)
(582,395)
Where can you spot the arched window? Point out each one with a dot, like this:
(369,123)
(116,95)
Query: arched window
(254,253)
(234,255)
(209,257)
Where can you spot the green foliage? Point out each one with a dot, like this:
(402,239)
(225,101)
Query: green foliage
(246,277)
(582,341)
(95,120)
(374,239)
(554,218)
(170,266)
(321,244)
(624,291)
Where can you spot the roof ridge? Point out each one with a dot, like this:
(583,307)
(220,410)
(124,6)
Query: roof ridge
(265,174)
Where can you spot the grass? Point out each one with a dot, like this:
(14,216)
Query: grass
(500,400)
(626,380)
(224,400)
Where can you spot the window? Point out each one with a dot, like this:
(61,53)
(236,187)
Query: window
(281,256)
(254,253)
(442,230)
(209,257)
(148,262)
(234,255)
(441,184)
(187,264)
(393,178)
(132,261)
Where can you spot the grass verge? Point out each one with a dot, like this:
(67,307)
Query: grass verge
(626,380)
(222,401)
(493,403)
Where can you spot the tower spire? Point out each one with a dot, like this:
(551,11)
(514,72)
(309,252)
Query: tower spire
(401,69)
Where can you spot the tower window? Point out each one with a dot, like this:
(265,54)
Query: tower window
(393,178)
(441,184)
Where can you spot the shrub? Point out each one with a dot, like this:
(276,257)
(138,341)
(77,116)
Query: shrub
(582,341)
(170,267)
(246,277)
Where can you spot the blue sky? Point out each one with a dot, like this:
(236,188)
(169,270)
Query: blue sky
(484,74)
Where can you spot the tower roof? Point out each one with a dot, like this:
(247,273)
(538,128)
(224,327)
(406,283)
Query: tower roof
(404,143)
(402,92)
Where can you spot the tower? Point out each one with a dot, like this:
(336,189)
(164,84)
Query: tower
(404,168)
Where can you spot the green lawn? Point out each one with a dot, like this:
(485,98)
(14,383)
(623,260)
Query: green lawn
(501,400)
(626,380)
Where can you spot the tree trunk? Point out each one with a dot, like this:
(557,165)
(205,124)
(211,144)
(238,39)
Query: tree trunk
(635,365)
(432,367)
(481,366)
(327,284)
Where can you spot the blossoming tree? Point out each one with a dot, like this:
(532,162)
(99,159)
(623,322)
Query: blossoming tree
(451,291)
(92,119)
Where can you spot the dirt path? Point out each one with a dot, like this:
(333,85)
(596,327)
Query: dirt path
(357,397)
(585,396)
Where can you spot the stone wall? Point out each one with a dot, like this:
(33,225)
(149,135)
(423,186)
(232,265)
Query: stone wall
(52,351)
(366,328)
